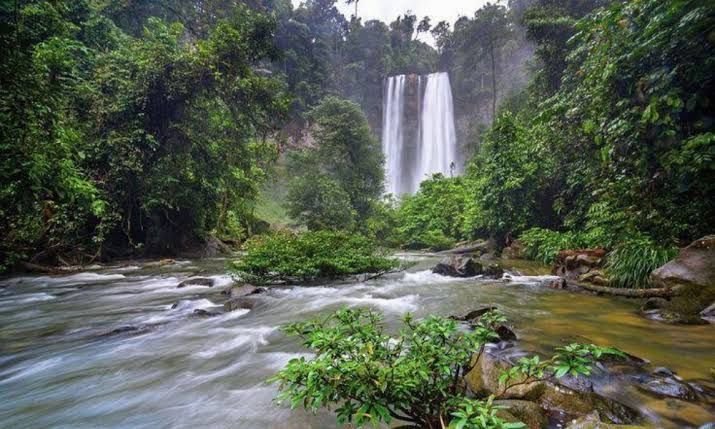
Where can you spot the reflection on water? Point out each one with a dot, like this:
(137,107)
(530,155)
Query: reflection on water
(59,368)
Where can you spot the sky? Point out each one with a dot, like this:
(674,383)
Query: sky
(388,10)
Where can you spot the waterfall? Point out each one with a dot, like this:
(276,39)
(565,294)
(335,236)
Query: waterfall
(438,145)
(418,133)
(392,137)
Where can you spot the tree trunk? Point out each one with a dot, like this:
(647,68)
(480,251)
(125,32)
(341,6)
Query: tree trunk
(629,293)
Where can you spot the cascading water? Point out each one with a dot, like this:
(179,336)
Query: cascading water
(438,146)
(392,138)
(418,135)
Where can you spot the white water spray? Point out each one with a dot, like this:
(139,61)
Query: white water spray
(434,146)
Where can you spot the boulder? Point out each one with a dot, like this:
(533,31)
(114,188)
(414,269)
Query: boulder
(505,333)
(483,379)
(237,291)
(573,264)
(594,276)
(197,281)
(668,387)
(526,412)
(458,266)
(493,271)
(242,303)
(694,265)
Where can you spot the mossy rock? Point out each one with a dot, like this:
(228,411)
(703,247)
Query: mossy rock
(527,412)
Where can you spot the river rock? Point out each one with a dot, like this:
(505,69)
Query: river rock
(493,271)
(694,265)
(555,283)
(654,304)
(458,266)
(526,412)
(505,333)
(668,387)
(159,263)
(204,313)
(593,421)
(474,314)
(242,303)
(197,281)
(573,264)
(237,291)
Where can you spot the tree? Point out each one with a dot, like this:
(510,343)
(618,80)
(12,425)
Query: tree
(346,153)
(318,202)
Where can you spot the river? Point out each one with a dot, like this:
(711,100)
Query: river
(59,368)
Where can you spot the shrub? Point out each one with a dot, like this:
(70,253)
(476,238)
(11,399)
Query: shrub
(543,244)
(632,261)
(433,217)
(308,257)
(416,377)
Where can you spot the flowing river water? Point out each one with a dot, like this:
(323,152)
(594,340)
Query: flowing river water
(59,368)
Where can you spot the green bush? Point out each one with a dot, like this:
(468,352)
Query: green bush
(433,217)
(371,377)
(543,244)
(309,257)
(631,262)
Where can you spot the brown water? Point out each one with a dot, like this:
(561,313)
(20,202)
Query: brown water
(58,370)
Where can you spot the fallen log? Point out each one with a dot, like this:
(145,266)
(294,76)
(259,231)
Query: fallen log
(628,293)
(36,268)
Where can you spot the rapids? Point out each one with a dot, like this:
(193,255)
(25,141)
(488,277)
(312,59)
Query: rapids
(59,368)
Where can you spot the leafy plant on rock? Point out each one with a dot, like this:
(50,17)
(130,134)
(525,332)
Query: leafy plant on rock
(370,377)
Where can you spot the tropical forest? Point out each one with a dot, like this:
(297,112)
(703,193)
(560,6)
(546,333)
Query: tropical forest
(308,214)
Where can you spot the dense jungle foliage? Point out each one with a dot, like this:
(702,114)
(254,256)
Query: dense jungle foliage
(146,128)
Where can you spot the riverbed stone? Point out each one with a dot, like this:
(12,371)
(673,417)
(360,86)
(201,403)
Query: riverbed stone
(239,290)
(241,303)
(493,271)
(526,412)
(593,421)
(458,266)
(197,281)
(670,387)
(474,314)
(694,265)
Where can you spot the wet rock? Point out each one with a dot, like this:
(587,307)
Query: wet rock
(596,277)
(654,304)
(474,314)
(668,387)
(483,379)
(128,329)
(673,317)
(663,372)
(573,264)
(593,421)
(555,283)
(505,333)
(196,281)
(458,266)
(237,291)
(579,403)
(695,265)
(242,303)
(493,271)
(205,313)
(488,257)
(526,412)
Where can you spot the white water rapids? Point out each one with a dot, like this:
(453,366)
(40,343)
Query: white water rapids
(60,369)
